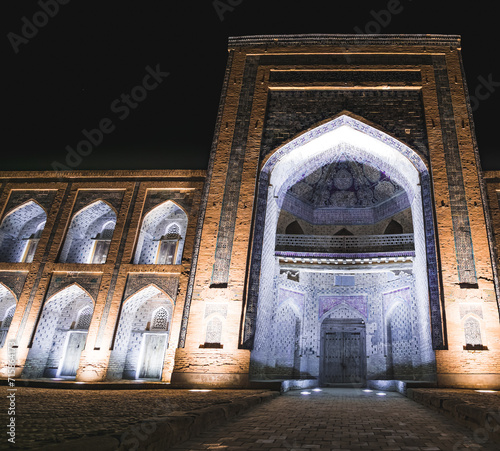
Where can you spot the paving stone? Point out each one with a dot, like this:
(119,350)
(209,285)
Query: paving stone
(340,419)
(49,416)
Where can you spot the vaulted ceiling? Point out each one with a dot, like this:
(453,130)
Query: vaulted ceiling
(346,184)
(330,193)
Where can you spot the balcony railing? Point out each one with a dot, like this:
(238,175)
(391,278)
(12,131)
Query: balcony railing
(345,244)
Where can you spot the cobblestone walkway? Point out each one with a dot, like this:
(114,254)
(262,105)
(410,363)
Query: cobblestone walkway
(340,419)
(52,415)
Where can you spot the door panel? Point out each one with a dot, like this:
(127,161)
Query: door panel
(74,348)
(343,354)
(153,353)
(333,357)
(352,357)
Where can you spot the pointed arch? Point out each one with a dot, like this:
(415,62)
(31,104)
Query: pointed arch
(288,302)
(396,302)
(18,228)
(96,201)
(57,346)
(393,228)
(135,334)
(8,304)
(22,205)
(353,139)
(4,289)
(82,237)
(344,232)
(154,245)
(353,312)
(294,228)
(71,290)
(147,290)
(339,119)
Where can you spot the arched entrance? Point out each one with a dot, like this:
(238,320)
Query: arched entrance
(362,201)
(142,336)
(61,334)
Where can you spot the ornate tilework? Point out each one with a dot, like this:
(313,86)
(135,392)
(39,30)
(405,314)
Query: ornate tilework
(14,280)
(327,303)
(167,283)
(295,297)
(203,207)
(234,172)
(458,201)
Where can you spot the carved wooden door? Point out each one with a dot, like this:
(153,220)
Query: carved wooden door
(343,354)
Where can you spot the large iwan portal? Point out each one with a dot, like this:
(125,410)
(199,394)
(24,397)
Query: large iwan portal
(343,293)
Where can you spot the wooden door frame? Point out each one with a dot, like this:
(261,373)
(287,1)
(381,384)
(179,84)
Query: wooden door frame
(330,325)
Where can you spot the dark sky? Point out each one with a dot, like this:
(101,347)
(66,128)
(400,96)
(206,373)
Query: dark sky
(66,77)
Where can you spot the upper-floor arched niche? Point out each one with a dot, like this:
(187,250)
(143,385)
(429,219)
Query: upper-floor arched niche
(89,234)
(20,232)
(162,236)
(7,309)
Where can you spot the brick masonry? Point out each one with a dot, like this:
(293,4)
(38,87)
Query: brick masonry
(225,283)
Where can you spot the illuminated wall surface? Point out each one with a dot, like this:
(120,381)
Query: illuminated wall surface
(342,232)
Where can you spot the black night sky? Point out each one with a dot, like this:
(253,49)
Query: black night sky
(65,77)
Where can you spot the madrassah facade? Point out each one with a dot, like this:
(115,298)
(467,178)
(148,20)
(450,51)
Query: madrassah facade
(343,232)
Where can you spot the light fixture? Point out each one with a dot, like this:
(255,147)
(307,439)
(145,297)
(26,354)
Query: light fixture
(305,392)
(317,389)
(200,389)
(368,391)
(486,391)
(381,394)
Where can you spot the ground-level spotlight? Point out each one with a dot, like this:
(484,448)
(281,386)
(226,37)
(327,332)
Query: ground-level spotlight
(486,391)
(200,389)
(317,389)
(368,391)
(305,392)
(381,394)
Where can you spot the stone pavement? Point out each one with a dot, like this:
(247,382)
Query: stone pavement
(479,410)
(343,419)
(45,416)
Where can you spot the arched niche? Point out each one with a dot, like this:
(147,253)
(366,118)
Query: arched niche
(61,334)
(343,140)
(89,234)
(162,235)
(7,309)
(142,335)
(20,232)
